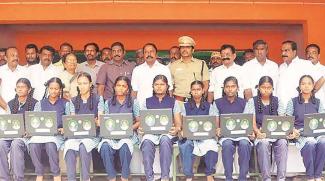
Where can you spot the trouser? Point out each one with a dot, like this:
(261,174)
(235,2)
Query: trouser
(244,152)
(52,153)
(16,148)
(71,161)
(108,153)
(186,151)
(148,153)
(264,158)
(313,154)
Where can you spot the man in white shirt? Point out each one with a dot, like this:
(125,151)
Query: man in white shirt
(258,67)
(313,55)
(143,75)
(227,69)
(40,73)
(291,70)
(31,53)
(10,73)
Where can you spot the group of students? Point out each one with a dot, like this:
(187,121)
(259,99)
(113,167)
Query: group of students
(86,102)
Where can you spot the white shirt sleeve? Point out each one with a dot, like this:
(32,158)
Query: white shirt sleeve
(134,79)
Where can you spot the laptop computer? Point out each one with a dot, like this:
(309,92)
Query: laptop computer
(236,125)
(79,126)
(116,126)
(12,126)
(156,121)
(42,123)
(314,124)
(277,127)
(199,127)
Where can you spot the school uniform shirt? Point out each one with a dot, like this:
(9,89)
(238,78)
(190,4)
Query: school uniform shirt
(223,106)
(201,147)
(294,108)
(116,144)
(153,103)
(219,74)
(253,72)
(38,77)
(89,143)
(278,108)
(289,76)
(9,79)
(142,78)
(44,105)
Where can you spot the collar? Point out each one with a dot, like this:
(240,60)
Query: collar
(181,60)
(111,62)
(225,98)
(96,63)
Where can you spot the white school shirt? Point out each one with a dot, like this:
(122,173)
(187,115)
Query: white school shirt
(9,79)
(219,74)
(253,72)
(142,79)
(39,76)
(289,76)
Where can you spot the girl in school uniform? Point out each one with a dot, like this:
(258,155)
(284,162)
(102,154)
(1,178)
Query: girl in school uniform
(312,149)
(86,102)
(160,100)
(51,144)
(22,102)
(207,148)
(231,103)
(267,104)
(121,102)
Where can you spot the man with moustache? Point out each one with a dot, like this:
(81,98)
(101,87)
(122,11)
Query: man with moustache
(312,53)
(227,69)
(291,70)
(40,73)
(188,69)
(113,69)
(144,74)
(2,56)
(92,65)
(258,67)
(65,48)
(31,53)
(106,54)
(10,73)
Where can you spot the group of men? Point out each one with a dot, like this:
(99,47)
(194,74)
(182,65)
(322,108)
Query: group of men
(180,72)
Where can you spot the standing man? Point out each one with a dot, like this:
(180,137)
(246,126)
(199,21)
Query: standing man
(291,70)
(215,60)
(227,69)
(258,67)
(92,65)
(106,54)
(144,74)
(40,73)
(187,69)
(10,73)
(113,69)
(2,56)
(31,53)
(139,57)
(65,48)
(313,55)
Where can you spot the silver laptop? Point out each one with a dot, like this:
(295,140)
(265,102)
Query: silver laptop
(314,124)
(236,125)
(156,121)
(199,127)
(277,127)
(41,123)
(12,126)
(79,126)
(116,126)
